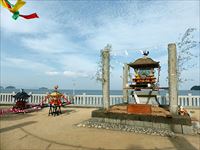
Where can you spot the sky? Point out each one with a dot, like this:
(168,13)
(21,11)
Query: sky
(62,47)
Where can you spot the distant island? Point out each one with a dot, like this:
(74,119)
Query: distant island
(43,88)
(10,87)
(195,87)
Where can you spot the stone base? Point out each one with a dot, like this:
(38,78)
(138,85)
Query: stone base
(125,126)
(177,124)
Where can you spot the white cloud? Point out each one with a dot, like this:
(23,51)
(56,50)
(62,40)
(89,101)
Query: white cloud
(51,43)
(160,23)
(75,74)
(24,64)
(52,73)
(78,62)
(67,73)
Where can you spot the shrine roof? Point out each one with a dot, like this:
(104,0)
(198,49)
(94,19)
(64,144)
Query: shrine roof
(144,62)
(21,95)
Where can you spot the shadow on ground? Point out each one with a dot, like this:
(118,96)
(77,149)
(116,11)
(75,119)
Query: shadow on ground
(137,147)
(14,116)
(67,112)
(16,126)
(180,142)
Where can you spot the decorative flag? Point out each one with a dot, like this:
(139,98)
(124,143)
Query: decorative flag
(15,9)
(34,15)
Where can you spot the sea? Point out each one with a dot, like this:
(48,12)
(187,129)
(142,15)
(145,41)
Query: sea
(92,92)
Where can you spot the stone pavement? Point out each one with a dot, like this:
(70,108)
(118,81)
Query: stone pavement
(38,131)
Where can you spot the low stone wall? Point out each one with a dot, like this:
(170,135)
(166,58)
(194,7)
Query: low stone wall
(119,125)
(177,124)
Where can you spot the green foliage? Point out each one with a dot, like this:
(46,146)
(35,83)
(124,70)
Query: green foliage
(10,87)
(98,74)
(195,87)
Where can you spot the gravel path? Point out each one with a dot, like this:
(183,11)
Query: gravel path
(99,124)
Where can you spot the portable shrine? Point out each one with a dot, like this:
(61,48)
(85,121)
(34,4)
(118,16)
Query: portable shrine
(145,83)
(21,100)
(55,101)
(144,73)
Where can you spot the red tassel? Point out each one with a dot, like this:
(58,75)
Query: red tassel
(31,16)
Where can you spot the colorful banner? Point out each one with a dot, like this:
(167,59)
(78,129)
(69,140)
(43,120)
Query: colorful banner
(17,6)
(15,9)
(31,16)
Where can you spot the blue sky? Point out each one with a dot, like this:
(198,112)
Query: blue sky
(63,46)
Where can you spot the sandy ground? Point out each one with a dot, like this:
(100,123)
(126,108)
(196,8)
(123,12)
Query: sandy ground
(38,131)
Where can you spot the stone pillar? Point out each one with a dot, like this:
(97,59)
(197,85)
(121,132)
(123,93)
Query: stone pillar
(125,82)
(172,75)
(106,76)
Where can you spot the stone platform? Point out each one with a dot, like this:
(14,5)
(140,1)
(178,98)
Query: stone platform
(177,123)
